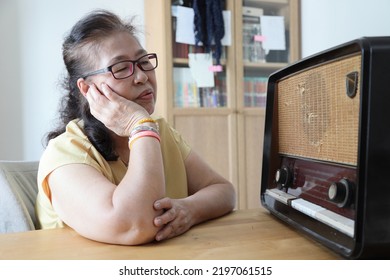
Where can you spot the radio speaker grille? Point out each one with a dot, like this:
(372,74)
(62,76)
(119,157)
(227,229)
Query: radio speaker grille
(316,117)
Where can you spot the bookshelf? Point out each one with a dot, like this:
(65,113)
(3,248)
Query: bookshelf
(224,123)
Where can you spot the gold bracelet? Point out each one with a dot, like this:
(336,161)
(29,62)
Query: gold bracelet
(145,121)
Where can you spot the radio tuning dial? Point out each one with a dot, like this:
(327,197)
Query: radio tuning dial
(283,177)
(341,192)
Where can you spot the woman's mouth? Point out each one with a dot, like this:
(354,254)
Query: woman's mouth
(148,95)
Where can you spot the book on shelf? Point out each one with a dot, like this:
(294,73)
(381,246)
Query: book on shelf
(188,95)
(255,91)
(185,90)
(214,96)
(252,38)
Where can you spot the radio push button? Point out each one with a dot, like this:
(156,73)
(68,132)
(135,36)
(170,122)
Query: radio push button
(341,192)
(283,177)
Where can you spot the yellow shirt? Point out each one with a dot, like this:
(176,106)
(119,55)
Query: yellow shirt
(73,146)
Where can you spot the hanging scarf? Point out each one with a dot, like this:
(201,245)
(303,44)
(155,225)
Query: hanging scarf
(209,25)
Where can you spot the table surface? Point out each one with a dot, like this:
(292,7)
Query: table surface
(240,235)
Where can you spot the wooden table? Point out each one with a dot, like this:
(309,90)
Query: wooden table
(241,235)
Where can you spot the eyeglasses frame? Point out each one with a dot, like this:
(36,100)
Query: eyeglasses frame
(134,62)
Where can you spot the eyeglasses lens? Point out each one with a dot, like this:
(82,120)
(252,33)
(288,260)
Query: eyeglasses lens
(125,69)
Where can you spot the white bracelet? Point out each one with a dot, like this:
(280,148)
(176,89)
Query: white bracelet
(140,128)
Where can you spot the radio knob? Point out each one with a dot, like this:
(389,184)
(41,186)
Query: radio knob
(283,177)
(341,192)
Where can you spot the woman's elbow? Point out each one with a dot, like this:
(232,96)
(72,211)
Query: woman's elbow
(137,237)
(139,232)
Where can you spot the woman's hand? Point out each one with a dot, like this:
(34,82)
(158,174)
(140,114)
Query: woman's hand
(114,111)
(176,219)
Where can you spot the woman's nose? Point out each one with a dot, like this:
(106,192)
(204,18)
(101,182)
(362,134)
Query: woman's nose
(139,75)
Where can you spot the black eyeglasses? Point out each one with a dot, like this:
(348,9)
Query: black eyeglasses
(125,68)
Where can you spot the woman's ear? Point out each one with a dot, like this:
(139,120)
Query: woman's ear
(83,86)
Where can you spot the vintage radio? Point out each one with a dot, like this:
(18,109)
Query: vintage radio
(326,159)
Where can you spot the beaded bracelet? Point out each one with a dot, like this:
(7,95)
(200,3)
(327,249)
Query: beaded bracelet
(146,120)
(140,128)
(141,135)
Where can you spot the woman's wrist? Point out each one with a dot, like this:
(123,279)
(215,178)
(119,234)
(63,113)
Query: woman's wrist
(146,127)
(143,134)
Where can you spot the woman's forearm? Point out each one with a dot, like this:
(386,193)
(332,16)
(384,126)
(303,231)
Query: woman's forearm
(212,202)
(142,185)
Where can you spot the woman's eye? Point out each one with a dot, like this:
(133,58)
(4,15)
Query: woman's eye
(120,68)
(143,62)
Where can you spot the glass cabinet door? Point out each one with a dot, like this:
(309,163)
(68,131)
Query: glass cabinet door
(189,92)
(265,46)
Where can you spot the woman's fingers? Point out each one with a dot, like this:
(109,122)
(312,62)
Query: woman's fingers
(114,111)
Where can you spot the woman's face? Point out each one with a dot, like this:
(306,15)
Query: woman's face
(140,87)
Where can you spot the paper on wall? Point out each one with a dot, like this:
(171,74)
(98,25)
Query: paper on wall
(185,25)
(200,63)
(272,30)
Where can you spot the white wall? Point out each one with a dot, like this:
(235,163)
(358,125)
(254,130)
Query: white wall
(31,35)
(328,23)
(11,116)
